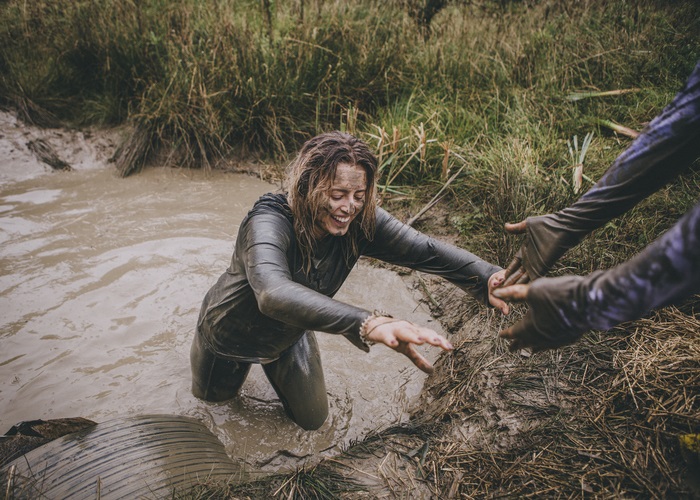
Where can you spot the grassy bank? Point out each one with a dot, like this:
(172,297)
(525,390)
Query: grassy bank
(484,104)
(486,89)
(209,78)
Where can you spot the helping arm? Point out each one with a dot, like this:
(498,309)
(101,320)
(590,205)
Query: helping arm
(563,308)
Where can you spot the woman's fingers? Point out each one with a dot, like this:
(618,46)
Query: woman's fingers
(392,332)
(495,281)
(417,358)
(403,336)
(420,336)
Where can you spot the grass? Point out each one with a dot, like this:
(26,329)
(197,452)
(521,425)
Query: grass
(478,107)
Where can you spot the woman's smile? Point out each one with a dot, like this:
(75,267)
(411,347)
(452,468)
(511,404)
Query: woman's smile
(346,199)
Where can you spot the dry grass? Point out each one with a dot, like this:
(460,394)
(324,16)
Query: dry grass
(603,417)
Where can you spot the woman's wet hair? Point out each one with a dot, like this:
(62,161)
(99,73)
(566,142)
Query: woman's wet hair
(310,177)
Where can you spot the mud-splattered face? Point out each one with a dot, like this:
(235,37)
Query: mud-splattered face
(345,200)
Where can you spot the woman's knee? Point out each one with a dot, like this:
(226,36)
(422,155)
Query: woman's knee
(312,417)
(297,377)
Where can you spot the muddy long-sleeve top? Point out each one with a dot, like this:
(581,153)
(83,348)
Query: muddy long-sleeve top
(265,300)
(667,146)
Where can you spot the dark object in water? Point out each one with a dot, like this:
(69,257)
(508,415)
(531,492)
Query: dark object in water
(45,153)
(152,456)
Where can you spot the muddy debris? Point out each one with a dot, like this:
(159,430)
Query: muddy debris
(47,154)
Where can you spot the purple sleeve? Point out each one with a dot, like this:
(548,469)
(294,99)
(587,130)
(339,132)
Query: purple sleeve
(665,272)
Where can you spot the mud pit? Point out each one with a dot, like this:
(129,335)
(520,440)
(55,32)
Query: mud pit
(101,284)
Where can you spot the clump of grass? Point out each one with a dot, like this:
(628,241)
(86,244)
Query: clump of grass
(322,482)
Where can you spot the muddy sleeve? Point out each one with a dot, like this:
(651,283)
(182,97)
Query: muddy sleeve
(400,244)
(666,272)
(266,240)
(668,146)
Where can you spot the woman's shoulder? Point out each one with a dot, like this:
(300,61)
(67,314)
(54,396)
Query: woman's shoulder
(269,220)
(387,221)
(272,203)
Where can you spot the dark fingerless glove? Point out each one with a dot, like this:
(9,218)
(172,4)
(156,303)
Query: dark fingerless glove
(666,272)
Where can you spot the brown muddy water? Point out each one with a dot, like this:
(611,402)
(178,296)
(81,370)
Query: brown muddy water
(101,283)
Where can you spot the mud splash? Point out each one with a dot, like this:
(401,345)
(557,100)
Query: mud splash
(102,279)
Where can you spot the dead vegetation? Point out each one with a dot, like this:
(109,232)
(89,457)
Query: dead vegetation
(603,417)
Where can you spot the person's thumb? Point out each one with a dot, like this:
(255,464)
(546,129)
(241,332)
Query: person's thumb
(512,293)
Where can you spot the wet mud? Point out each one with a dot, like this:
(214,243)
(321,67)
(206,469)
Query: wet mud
(101,283)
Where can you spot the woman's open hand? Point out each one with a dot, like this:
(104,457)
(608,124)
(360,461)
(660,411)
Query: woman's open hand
(402,336)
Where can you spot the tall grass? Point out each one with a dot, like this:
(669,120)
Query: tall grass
(211,76)
(484,89)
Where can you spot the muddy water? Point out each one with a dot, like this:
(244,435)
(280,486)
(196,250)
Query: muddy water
(101,283)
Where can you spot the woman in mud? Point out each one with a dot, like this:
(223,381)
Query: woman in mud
(666,272)
(292,254)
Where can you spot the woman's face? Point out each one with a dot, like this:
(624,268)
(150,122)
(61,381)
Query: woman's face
(344,201)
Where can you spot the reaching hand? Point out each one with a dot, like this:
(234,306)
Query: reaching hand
(521,333)
(402,336)
(526,334)
(547,238)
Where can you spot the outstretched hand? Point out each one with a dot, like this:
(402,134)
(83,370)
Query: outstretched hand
(525,334)
(402,336)
(520,334)
(515,272)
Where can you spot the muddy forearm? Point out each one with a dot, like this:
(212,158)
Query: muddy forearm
(666,272)
(300,306)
